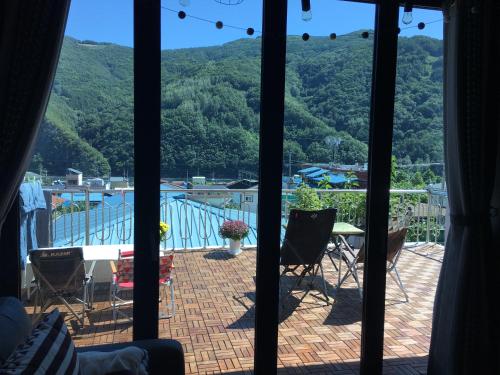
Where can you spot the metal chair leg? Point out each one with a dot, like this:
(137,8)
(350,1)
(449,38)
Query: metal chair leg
(355,275)
(399,282)
(324,282)
(172,297)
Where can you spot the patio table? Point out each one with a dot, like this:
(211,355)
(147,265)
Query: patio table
(341,231)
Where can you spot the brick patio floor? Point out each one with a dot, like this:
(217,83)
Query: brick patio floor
(215,296)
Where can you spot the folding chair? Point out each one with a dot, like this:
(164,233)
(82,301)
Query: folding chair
(123,280)
(59,275)
(352,258)
(306,238)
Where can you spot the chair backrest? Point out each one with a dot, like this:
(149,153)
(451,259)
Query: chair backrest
(125,267)
(166,266)
(307,236)
(62,268)
(395,242)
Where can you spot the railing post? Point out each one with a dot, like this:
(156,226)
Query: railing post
(428,235)
(87,217)
(71,217)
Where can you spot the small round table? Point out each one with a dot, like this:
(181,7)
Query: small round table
(343,231)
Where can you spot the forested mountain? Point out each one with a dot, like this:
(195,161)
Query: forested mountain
(210,105)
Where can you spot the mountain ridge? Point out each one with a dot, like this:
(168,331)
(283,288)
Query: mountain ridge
(211,100)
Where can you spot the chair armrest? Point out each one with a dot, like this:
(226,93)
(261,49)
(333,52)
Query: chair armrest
(113,266)
(165,356)
(90,274)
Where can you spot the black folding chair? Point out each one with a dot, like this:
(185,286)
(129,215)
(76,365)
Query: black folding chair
(59,275)
(306,239)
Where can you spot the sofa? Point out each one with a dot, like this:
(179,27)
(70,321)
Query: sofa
(165,356)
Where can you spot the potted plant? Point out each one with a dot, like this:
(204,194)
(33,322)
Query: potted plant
(164,227)
(235,231)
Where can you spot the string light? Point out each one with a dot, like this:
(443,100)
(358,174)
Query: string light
(424,24)
(306,10)
(251,31)
(408,14)
(229,2)
(247,30)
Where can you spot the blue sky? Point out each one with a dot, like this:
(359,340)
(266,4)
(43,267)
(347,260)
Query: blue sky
(112,21)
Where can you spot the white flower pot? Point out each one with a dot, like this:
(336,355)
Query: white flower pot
(234,247)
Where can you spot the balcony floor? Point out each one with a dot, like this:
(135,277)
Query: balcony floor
(214,321)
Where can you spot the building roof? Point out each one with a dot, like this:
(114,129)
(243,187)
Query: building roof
(292,180)
(208,187)
(118,179)
(319,172)
(308,170)
(242,184)
(31,174)
(334,178)
(80,197)
(73,171)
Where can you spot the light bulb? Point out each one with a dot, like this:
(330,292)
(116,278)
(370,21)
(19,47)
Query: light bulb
(307,16)
(185,3)
(408,14)
(306,10)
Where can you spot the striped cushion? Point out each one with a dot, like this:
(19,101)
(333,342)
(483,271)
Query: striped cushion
(48,350)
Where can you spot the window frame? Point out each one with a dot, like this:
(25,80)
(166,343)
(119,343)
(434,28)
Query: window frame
(147,109)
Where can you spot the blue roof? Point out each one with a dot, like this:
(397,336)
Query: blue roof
(295,180)
(318,173)
(308,170)
(335,178)
(80,197)
(115,224)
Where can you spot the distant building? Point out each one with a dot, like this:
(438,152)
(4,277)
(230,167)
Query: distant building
(97,183)
(305,171)
(313,176)
(118,183)
(74,177)
(359,170)
(199,180)
(291,182)
(32,176)
(438,194)
(244,200)
(338,174)
(202,194)
(242,184)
